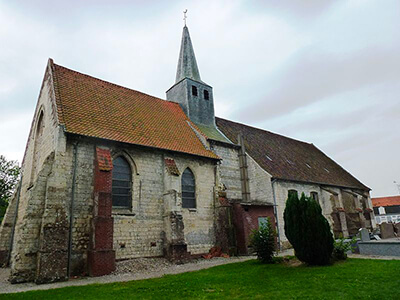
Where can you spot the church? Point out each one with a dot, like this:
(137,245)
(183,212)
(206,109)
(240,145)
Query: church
(111,173)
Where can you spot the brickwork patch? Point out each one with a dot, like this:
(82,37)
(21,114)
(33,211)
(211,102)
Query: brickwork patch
(104,159)
(171,167)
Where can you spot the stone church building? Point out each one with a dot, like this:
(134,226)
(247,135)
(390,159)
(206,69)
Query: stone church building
(110,173)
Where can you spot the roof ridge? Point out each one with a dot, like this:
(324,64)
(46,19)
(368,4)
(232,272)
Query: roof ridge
(385,197)
(111,83)
(56,91)
(261,129)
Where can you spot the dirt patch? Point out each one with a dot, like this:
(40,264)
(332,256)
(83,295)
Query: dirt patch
(291,261)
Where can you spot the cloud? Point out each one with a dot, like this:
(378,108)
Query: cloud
(314,76)
(322,71)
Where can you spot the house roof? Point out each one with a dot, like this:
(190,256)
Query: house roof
(385,201)
(289,159)
(92,107)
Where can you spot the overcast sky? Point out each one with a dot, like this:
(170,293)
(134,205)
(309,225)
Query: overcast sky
(326,72)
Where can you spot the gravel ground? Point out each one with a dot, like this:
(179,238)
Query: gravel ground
(134,269)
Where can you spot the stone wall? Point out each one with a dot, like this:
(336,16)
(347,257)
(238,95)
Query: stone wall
(140,232)
(260,183)
(281,193)
(338,206)
(228,171)
(45,140)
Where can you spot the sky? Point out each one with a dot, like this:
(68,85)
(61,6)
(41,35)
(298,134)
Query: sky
(324,72)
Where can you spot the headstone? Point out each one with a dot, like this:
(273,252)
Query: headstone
(397,229)
(387,230)
(364,235)
(377,237)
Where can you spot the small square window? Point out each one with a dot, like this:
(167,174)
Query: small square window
(206,95)
(194,91)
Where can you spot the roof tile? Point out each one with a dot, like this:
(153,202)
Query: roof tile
(287,158)
(92,107)
(385,201)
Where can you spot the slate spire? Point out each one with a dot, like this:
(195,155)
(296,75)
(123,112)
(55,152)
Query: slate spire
(187,65)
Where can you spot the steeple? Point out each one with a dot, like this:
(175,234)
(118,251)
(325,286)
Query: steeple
(193,95)
(187,65)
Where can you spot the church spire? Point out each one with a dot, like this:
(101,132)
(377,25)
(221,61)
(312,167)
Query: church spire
(187,65)
(193,95)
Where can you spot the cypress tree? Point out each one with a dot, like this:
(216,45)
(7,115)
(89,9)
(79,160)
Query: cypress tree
(307,230)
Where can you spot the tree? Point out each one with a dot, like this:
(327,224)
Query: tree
(9,174)
(307,230)
(263,242)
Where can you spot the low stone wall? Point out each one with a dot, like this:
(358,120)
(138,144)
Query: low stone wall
(383,248)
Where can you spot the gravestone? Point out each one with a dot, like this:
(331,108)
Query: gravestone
(397,229)
(364,235)
(387,230)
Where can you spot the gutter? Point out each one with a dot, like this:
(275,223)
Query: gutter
(276,214)
(71,210)
(14,222)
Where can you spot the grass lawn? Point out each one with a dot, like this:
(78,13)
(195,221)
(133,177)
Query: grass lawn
(352,279)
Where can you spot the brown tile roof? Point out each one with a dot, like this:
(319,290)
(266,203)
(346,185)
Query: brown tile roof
(385,201)
(289,159)
(92,107)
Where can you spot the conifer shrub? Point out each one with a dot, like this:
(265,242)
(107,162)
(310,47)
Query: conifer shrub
(307,230)
(341,246)
(263,242)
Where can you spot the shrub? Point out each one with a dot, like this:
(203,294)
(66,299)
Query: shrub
(263,242)
(341,247)
(307,230)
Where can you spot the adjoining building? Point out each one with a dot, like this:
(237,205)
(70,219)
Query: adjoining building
(111,173)
(387,209)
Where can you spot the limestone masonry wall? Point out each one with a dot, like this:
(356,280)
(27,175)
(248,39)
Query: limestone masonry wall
(281,193)
(140,232)
(229,172)
(260,183)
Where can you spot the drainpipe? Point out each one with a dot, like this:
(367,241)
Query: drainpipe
(71,209)
(14,222)
(276,215)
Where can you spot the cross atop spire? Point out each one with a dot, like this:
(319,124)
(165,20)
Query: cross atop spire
(187,65)
(184,16)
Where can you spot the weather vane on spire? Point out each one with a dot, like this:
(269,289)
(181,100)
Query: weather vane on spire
(184,16)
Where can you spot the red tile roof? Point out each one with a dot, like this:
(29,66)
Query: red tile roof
(289,159)
(385,201)
(92,107)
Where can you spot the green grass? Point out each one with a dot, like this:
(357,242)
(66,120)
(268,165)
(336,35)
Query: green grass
(352,279)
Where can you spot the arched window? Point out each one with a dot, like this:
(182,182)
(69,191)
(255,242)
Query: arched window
(188,189)
(294,192)
(314,195)
(121,183)
(36,146)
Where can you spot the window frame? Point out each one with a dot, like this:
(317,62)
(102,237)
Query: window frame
(315,196)
(130,183)
(293,191)
(193,190)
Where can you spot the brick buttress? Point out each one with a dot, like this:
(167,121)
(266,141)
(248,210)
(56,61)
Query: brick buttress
(101,256)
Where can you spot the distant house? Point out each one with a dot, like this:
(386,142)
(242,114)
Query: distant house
(387,209)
